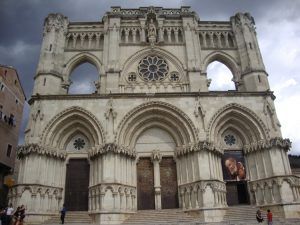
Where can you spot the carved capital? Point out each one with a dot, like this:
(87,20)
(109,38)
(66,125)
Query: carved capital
(156,156)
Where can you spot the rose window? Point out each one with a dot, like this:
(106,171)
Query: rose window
(79,143)
(152,68)
(229,139)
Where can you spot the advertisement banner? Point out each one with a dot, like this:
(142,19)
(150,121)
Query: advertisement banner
(233,166)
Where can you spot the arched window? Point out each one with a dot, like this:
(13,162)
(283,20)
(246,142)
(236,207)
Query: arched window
(221,77)
(83,78)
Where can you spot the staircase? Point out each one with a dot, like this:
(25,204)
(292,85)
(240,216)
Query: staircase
(72,217)
(158,217)
(235,215)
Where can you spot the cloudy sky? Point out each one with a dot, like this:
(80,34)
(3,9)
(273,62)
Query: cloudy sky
(278,33)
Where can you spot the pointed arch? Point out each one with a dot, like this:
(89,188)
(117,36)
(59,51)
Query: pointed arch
(157,51)
(80,58)
(156,114)
(224,58)
(240,119)
(69,122)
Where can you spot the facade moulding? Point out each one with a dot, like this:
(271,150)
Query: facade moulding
(28,149)
(113,148)
(268,182)
(153,95)
(196,147)
(52,72)
(36,188)
(278,142)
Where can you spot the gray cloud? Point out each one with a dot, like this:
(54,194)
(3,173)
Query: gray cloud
(277,23)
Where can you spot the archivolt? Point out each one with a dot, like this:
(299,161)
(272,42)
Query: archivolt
(157,51)
(156,114)
(81,58)
(224,58)
(70,121)
(239,118)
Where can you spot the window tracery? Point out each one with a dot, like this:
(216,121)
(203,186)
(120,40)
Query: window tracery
(153,68)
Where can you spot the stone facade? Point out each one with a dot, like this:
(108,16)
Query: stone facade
(152,101)
(12,100)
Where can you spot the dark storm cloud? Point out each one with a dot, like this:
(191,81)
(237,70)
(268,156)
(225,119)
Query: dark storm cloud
(21,23)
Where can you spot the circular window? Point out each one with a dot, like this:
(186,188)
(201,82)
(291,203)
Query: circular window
(79,143)
(229,139)
(152,68)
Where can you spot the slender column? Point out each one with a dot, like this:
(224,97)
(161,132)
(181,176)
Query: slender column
(156,159)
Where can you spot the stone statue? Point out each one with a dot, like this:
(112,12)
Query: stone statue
(152,32)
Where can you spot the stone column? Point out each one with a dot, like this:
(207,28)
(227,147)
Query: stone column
(156,159)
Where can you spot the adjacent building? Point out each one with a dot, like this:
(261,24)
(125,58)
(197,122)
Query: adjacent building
(12,100)
(153,136)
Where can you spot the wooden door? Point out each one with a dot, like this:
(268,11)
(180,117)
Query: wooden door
(77,182)
(168,181)
(145,184)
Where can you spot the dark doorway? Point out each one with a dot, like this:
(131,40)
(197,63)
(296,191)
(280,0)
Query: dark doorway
(237,193)
(145,184)
(168,181)
(77,182)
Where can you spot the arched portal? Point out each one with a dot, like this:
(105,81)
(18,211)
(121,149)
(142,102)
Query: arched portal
(155,130)
(230,129)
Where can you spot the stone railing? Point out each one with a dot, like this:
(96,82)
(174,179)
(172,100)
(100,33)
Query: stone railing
(276,190)
(112,197)
(216,39)
(202,194)
(84,40)
(38,198)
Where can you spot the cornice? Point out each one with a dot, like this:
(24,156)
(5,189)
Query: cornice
(152,95)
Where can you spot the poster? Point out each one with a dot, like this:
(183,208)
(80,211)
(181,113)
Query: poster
(233,166)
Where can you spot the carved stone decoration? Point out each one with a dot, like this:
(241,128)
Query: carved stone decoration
(200,113)
(242,19)
(195,147)
(56,21)
(156,156)
(111,147)
(279,142)
(24,150)
(37,115)
(110,116)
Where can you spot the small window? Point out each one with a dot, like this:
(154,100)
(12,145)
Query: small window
(50,47)
(44,82)
(8,151)
(5,72)
(132,77)
(1,87)
(17,101)
(16,82)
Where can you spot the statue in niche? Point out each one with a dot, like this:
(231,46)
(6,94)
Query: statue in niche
(152,32)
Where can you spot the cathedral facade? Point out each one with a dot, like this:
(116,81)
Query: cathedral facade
(152,136)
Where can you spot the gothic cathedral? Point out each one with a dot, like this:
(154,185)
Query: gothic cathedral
(152,135)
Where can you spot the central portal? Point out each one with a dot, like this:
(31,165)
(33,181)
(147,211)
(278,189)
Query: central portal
(77,183)
(168,181)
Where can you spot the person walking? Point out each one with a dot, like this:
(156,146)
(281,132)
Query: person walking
(9,214)
(63,214)
(270,217)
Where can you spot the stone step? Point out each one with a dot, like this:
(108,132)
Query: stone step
(156,217)
(72,217)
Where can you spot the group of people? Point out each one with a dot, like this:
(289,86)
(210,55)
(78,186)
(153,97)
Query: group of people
(260,218)
(9,216)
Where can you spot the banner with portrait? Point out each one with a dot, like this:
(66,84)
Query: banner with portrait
(233,166)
